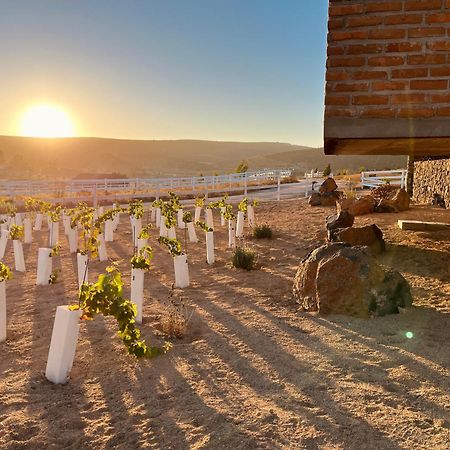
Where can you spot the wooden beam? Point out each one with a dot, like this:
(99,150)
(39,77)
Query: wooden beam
(418,225)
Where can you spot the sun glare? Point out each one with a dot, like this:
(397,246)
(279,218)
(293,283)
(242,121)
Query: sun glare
(46,120)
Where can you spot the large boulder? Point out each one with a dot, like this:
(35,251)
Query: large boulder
(329,185)
(324,199)
(399,201)
(339,279)
(370,236)
(357,206)
(343,219)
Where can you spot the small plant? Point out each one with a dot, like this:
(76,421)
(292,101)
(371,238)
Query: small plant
(136,209)
(327,171)
(243,258)
(262,232)
(144,233)
(143,259)
(200,201)
(106,297)
(172,245)
(15,232)
(157,203)
(174,201)
(55,250)
(187,217)
(228,214)
(243,205)
(5,272)
(203,226)
(242,167)
(54,276)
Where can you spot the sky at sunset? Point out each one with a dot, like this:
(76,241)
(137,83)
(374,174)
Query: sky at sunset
(245,70)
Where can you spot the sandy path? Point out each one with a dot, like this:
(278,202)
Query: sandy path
(252,371)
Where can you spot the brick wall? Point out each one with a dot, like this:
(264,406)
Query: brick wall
(432,176)
(388,60)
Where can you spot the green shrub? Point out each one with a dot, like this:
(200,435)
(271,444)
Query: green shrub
(262,232)
(243,258)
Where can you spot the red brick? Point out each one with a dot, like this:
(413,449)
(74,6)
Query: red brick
(443,71)
(349,61)
(409,98)
(404,19)
(348,35)
(409,73)
(364,21)
(388,85)
(370,100)
(364,49)
(387,33)
(440,98)
(345,10)
(339,112)
(404,47)
(439,45)
(384,61)
(426,32)
(337,76)
(335,50)
(331,99)
(438,18)
(369,75)
(333,24)
(351,87)
(420,5)
(384,6)
(416,112)
(443,111)
(378,112)
(426,59)
(429,84)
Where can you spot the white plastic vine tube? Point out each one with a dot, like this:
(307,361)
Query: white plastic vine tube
(18,219)
(240,224)
(152,214)
(19,261)
(63,344)
(102,252)
(209,218)
(180,221)
(171,233)
(162,227)
(158,217)
(38,222)
(83,270)
(141,243)
(44,266)
(197,213)
(251,216)
(210,247)
(191,232)
(3,242)
(181,269)
(136,227)
(222,218)
(231,233)
(137,291)
(28,236)
(3,331)
(54,233)
(109,230)
(73,239)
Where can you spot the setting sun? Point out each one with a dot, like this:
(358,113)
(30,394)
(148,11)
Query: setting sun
(45,120)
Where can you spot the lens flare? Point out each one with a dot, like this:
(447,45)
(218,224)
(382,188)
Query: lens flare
(46,120)
(409,334)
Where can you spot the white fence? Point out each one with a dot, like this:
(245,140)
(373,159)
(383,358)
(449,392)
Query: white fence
(126,188)
(377,178)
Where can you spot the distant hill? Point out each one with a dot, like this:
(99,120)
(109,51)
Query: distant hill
(22,157)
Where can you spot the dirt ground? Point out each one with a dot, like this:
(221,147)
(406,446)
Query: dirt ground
(252,372)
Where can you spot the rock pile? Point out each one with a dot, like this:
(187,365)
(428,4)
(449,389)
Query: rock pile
(327,195)
(339,279)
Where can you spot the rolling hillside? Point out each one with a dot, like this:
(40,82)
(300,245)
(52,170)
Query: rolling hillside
(60,158)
